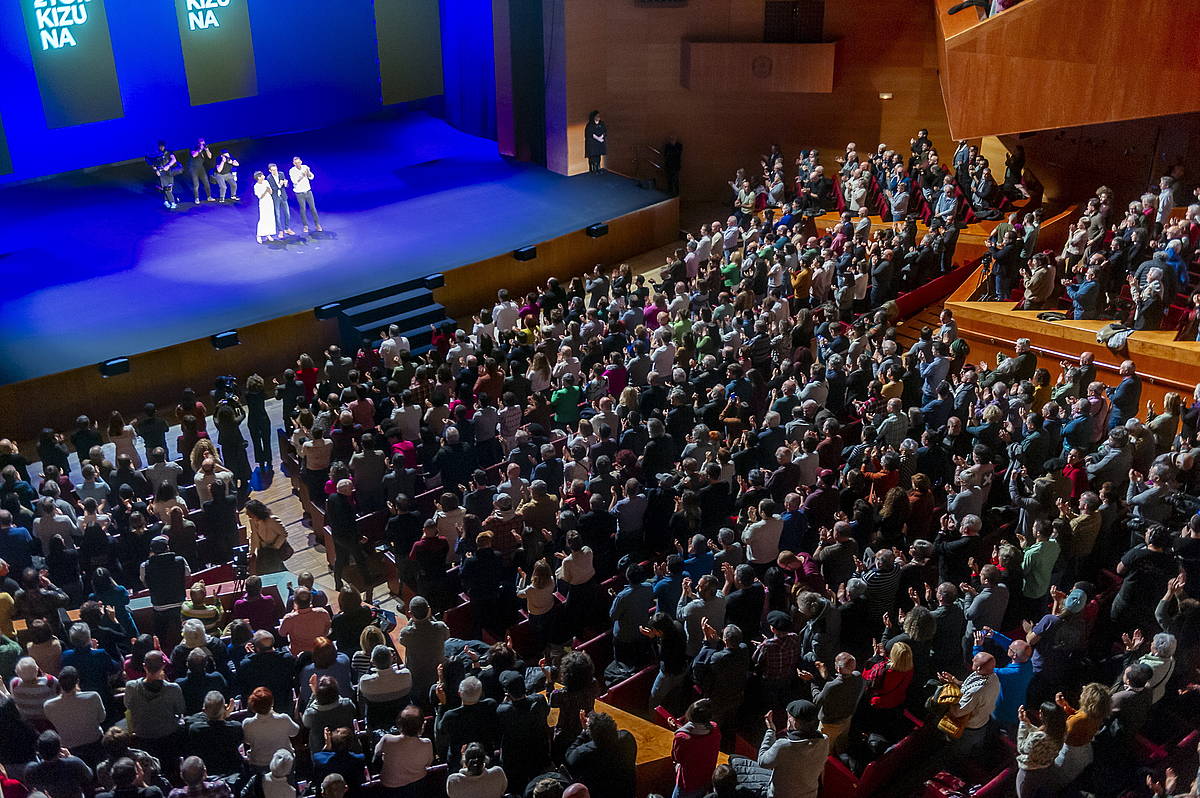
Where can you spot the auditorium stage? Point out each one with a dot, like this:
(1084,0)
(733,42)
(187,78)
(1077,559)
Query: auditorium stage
(95,267)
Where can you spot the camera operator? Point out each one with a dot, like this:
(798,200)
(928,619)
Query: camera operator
(228,418)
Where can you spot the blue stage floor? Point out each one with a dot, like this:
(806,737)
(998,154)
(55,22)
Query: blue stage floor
(94,267)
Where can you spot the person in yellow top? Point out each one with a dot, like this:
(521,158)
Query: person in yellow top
(1083,724)
(8,591)
(802,282)
(6,613)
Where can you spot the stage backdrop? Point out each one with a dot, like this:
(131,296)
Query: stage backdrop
(92,82)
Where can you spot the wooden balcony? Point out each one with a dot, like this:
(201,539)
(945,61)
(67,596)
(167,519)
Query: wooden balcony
(1046,64)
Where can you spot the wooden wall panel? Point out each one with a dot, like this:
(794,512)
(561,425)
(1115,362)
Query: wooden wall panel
(1047,64)
(636,52)
(158,376)
(756,67)
(471,287)
(1128,157)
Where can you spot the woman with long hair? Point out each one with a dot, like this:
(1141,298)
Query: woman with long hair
(1164,425)
(539,373)
(122,436)
(266,208)
(893,517)
(888,680)
(267,538)
(1039,738)
(257,421)
(537,589)
(1082,726)
(577,674)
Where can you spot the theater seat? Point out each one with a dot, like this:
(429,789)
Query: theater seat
(632,694)
(999,785)
(838,781)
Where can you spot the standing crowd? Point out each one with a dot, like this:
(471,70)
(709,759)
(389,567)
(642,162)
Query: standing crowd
(732,484)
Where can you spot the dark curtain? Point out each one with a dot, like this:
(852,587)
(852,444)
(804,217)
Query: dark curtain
(469,67)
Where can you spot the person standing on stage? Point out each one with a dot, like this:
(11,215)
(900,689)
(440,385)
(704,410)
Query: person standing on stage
(302,177)
(198,170)
(165,166)
(266,207)
(283,214)
(594,145)
(226,173)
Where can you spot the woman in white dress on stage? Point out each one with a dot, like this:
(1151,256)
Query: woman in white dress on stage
(266,208)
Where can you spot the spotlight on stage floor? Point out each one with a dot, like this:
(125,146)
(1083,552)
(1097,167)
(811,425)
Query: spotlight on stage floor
(111,368)
(225,339)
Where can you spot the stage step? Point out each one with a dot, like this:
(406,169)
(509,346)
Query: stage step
(389,305)
(428,282)
(408,305)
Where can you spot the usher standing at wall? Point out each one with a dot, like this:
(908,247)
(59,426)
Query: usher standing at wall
(302,177)
(225,172)
(595,145)
(198,170)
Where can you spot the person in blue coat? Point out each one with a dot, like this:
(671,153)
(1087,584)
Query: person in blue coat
(1014,677)
(1126,396)
(1085,297)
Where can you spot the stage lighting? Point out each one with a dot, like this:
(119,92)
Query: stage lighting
(111,368)
(597,230)
(224,340)
(525,253)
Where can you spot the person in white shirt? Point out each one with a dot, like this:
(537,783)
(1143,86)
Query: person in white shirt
(761,536)
(392,345)
(407,416)
(209,473)
(302,177)
(266,731)
(505,313)
(476,779)
(980,691)
(276,782)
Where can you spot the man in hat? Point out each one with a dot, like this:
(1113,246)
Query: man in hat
(776,659)
(166,575)
(524,735)
(796,759)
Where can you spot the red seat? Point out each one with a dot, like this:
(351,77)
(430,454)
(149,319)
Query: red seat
(838,781)
(632,694)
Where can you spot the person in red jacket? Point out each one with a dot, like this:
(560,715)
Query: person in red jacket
(694,751)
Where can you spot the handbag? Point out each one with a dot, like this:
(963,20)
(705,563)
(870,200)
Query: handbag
(948,695)
(286,551)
